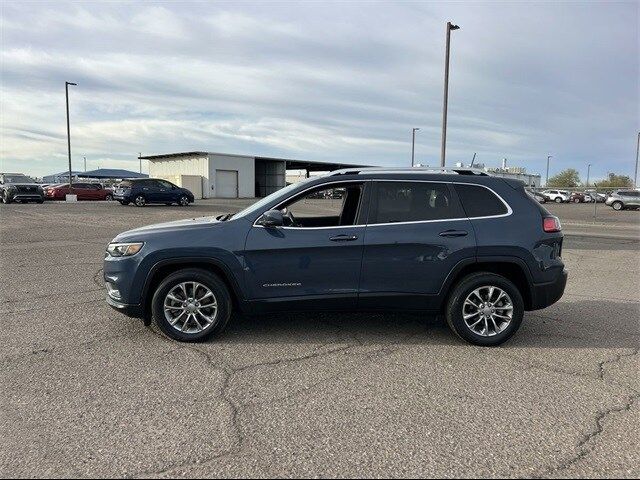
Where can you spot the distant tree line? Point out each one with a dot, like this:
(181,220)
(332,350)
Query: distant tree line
(570,178)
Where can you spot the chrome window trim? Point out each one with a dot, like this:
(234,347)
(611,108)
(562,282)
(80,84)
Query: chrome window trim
(505,203)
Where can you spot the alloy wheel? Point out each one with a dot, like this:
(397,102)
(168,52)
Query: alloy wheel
(487,311)
(184,201)
(190,307)
(140,201)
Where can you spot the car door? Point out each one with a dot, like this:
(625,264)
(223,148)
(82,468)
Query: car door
(151,191)
(416,233)
(167,191)
(315,262)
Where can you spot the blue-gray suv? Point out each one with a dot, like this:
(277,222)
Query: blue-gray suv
(142,191)
(475,247)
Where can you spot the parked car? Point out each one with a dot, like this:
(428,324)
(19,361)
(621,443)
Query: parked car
(84,191)
(16,187)
(476,247)
(623,199)
(558,196)
(578,197)
(537,196)
(594,196)
(151,190)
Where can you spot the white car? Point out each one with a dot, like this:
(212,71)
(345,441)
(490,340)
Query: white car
(558,196)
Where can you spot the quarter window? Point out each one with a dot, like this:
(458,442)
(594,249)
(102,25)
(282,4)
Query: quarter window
(479,201)
(413,202)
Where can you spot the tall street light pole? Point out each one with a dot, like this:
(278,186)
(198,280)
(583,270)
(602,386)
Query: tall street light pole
(546,183)
(413,144)
(588,171)
(450,27)
(66,91)
(635,177)
(85,163)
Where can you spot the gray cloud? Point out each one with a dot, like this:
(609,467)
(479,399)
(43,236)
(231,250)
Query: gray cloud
(321,81)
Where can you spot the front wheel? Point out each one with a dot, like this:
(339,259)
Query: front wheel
(183,201)
(191,305)
(576,200)
(485,309)
(558,200)
(108,198)
(617,206)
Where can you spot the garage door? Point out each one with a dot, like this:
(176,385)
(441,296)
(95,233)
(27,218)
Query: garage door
(227,183)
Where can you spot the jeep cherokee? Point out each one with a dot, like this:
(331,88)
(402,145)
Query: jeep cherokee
(475,247)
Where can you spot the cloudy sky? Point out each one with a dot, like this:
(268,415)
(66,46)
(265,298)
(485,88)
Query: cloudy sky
(340,81)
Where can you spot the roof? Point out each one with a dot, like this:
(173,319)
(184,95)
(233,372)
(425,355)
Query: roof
(112,173)
(292,164)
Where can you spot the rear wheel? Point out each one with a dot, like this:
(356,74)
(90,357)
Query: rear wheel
(558,200)
(485,309)
(140,201)
(191,305)
(108,198)
(617,206)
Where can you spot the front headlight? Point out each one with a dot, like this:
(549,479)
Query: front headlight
(124,249)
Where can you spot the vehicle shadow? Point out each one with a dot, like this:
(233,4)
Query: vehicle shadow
(570,324)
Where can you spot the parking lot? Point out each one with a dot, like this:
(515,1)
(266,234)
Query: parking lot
(89,392)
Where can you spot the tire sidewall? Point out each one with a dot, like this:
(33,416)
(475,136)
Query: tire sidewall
(617,206)
(208,279)
(460,293)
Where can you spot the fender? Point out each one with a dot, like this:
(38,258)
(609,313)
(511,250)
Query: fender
(191,259)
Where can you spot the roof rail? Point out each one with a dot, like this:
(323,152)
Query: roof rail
(442,170)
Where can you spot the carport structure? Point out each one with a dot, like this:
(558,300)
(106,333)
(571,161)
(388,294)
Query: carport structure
(225,175)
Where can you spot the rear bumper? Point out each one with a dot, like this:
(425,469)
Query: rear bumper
(545,294)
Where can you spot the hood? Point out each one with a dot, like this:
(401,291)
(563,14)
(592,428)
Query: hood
(192,223)
(21,185)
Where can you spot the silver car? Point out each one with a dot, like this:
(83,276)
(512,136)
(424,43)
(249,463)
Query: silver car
(621,199)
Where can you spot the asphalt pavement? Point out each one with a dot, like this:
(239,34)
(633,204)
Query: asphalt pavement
(86,391)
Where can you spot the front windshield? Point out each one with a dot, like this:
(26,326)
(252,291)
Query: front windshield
(259,205)
(17,179)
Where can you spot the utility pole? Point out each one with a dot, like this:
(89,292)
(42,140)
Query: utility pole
(588,171)
(140,158)
(473,159)
(546,183)
(85,163)
(66,91)
(413,144)
(450,27)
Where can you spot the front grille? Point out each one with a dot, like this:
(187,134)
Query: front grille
(26,189)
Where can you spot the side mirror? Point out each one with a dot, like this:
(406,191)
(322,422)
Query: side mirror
(272,218)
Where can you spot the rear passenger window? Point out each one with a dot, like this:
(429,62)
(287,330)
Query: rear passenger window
(479,201)
(412,202)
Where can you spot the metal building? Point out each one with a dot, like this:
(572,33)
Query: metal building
(223,175)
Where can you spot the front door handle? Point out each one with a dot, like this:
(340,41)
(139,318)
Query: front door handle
(343,238)
(454,233)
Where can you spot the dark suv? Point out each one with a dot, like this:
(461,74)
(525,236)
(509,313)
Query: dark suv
(473,246)
(16,187)
(151,190)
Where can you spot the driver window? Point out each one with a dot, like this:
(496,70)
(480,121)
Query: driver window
(325,207)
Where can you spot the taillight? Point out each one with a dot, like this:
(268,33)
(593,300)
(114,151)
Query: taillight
(551,224)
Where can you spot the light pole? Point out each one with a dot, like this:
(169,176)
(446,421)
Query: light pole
(588,171)
(635,177)
(140,158)
(413,144)
(85,163)
(546,183)
(450,27)
(66,91)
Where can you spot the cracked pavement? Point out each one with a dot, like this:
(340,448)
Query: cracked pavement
(89,392)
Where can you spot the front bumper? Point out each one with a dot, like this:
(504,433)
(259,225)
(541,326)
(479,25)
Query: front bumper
(135,311)
(545,294)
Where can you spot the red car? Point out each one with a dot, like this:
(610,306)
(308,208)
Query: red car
(84,191)
(577,197)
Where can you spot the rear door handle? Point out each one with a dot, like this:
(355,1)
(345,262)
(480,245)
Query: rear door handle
(343,238)
(454,233)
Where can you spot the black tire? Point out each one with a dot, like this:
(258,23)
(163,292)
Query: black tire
(617,206)
(108,198)
(140,201)
(183,201)
(209,280)
(558,200)
(455,305)
(576,200)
